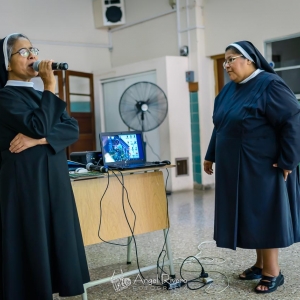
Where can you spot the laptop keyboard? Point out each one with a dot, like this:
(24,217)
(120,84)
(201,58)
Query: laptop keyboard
(137,166)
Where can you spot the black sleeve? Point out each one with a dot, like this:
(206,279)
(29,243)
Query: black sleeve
(64,133)
(211,150)
(35,122)
(283,111)
(210,153)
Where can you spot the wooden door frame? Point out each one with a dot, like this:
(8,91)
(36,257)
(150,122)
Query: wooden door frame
(79,74)
(90,76)
(219,77)
(60,82)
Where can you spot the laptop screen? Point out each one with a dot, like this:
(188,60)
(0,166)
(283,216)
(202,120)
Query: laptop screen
(122,147)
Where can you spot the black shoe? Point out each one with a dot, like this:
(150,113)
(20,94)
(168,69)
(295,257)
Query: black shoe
(251,273)
(272,283)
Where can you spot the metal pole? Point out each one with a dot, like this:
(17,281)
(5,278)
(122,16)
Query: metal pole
(169,252)
(129,241)
(178,24)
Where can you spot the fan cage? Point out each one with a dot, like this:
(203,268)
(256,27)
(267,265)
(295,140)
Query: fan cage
(143,106)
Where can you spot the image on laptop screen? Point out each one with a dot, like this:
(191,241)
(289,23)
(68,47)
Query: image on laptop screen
(122,147)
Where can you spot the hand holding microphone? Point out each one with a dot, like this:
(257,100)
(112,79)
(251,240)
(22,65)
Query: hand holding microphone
(45,69)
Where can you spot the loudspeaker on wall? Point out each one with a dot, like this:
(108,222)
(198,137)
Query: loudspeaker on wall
(108,13)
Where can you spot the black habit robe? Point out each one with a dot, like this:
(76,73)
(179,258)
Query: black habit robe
(256,124)
(41,248)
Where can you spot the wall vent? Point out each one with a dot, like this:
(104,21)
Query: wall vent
(182,166)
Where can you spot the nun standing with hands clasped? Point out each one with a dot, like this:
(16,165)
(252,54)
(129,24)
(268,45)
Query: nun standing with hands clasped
(41,250)
(255,146)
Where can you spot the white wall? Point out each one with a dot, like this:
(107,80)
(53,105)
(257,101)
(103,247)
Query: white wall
(63,30)
(254,20)
(206,92)
(179,118)
(55,20)
(137,10)
(175,131)
(148,39)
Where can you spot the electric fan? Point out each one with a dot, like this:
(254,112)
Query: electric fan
(143,106)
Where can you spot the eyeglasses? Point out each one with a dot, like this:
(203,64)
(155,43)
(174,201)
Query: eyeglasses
(230,60)
(24,52)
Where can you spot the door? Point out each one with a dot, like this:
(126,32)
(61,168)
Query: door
(221,76)
(80,105)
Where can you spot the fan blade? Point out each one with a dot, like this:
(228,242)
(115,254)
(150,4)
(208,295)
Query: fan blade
(131,103)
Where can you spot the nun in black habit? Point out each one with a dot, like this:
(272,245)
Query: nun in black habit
(41,249)
(255,146)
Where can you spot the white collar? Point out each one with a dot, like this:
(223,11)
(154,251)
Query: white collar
(255,73)
(19,83)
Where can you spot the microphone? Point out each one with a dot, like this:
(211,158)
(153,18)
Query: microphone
(92,167)
(55,66)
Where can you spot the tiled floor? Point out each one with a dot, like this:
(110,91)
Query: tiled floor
(191,217)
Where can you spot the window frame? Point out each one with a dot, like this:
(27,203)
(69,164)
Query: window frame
(267,53)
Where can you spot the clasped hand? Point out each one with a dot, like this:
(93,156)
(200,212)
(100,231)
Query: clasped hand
(22,142)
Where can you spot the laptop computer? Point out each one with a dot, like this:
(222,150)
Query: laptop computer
(124,150)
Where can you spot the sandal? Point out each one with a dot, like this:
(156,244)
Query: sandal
(272,283)
(252,273)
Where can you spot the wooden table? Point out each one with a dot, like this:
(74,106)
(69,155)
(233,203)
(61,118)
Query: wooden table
(147,196)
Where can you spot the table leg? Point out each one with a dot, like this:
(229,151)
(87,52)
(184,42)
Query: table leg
(84,295)
(129,246)
(169,253)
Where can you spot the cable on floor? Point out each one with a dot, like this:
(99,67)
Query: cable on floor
(197,258)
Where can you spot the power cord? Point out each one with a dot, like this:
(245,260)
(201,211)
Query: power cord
(163,251)
(147,144)
(124,210)
(100,219)
(170,283)
(129,226)
(197,258)
(202,278)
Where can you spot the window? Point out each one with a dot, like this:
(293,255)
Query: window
(285,54)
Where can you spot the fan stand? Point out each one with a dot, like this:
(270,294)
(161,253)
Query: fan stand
(143,106)
(168,193)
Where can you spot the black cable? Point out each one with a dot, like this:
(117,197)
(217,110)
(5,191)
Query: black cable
(124,188)
(131,230)
(197,279)
(147,144)
(100,220)
(97,164)
(133,237)
(168,226)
